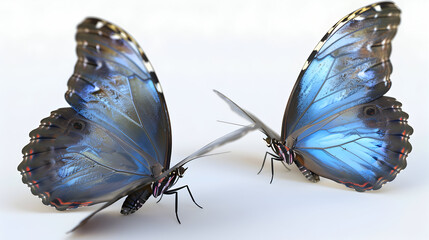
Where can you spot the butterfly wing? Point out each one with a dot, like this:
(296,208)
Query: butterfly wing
(72,161)
(230,137)
(349,66)
(362,147)
(114,85)
(116,137)
(249,116)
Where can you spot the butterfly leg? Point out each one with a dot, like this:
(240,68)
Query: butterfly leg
(274,157)
(176,203)
(159,200)
(265,158)
(311,176)
(174,191)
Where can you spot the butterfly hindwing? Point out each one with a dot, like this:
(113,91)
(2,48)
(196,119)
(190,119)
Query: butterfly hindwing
(114,85)
(72,161)
(362,147)
(350,66)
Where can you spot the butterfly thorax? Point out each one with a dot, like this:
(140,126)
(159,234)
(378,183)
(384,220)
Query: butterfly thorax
(165,183)
(284,152)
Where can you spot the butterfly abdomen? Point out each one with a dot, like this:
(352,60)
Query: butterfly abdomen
(135,200)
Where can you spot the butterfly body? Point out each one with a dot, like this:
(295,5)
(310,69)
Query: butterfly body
(337,123)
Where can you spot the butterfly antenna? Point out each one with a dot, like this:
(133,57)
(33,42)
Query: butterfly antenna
(236,124)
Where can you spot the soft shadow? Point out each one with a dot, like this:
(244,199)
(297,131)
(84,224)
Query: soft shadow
(99,224)
(112,223)
(251,162)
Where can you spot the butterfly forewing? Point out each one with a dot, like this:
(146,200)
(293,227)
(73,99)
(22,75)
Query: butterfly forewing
(114,85)
(350,66)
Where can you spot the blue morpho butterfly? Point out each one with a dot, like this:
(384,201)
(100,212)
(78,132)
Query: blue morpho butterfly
(115,140)
(337,123)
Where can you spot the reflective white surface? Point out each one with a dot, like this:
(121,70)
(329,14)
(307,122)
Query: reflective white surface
(252,51)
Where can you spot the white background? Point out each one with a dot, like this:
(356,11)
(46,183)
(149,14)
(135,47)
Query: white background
(250,50)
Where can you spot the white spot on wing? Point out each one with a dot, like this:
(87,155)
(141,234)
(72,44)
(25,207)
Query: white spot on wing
(99,25)
(359,18)
(158,87)
(319,46)
(377,8)
(99,65)
(305,65)
(149,67)
(115,36)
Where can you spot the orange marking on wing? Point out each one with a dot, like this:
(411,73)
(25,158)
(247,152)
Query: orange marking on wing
(85,203)
(35,184)
(37,135)
(394,169)
(63,203)
(403,133)
(356,184)
(52,203)
(73,203)
(28,171)
(48,194)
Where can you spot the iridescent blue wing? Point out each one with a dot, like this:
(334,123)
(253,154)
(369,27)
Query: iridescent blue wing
(72,161)
(349,66)
(362,147)
(114,85)
(337,122)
